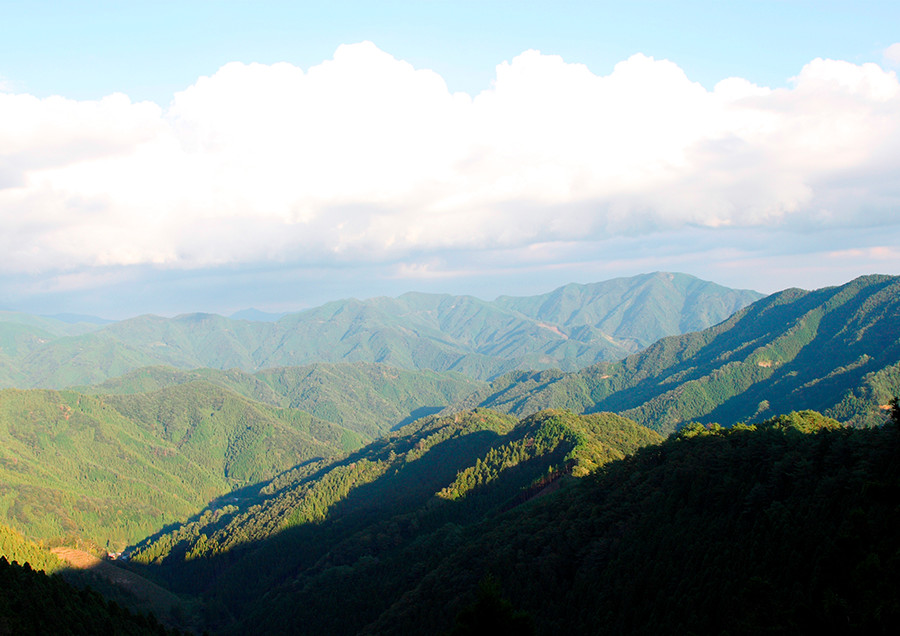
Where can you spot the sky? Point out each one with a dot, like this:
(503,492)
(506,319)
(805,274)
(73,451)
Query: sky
(213,155)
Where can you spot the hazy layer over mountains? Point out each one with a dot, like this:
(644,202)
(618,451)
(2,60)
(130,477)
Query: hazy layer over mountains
(569,328)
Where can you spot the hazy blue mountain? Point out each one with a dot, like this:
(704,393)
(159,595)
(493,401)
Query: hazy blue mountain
(637,310)
(22,335)
(570,328)
(56,326)
(835,350)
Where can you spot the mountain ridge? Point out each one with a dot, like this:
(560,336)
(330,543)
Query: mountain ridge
(835,349)
(441,332)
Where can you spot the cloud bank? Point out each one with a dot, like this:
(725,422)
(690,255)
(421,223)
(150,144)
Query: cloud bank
(364,158)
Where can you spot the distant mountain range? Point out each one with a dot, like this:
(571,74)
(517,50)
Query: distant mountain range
(836,350)
(569,328)
(75,319)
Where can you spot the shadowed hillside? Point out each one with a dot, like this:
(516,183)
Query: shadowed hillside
(320,527)
(788,526)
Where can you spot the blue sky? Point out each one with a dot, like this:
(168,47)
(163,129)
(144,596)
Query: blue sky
(149,50)
(168,157)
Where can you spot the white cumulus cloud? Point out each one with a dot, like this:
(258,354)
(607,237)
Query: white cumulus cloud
(366,157)
(892,54)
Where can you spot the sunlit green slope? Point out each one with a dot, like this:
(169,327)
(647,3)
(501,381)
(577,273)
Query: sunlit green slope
(117,467)
(368,398)
(15,547)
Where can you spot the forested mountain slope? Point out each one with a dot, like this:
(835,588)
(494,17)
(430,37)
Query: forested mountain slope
(368,398)
(26,593)
(572,327)
(117,467)
(15,547)
(31,602)
(638,310)
(789,528)
(836,350)
(322,527)
(22,334)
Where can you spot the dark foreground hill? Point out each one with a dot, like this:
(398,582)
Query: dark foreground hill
(33,602)
(835,350)
(790,528)
(572,327)
(785,527)
(34,598)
